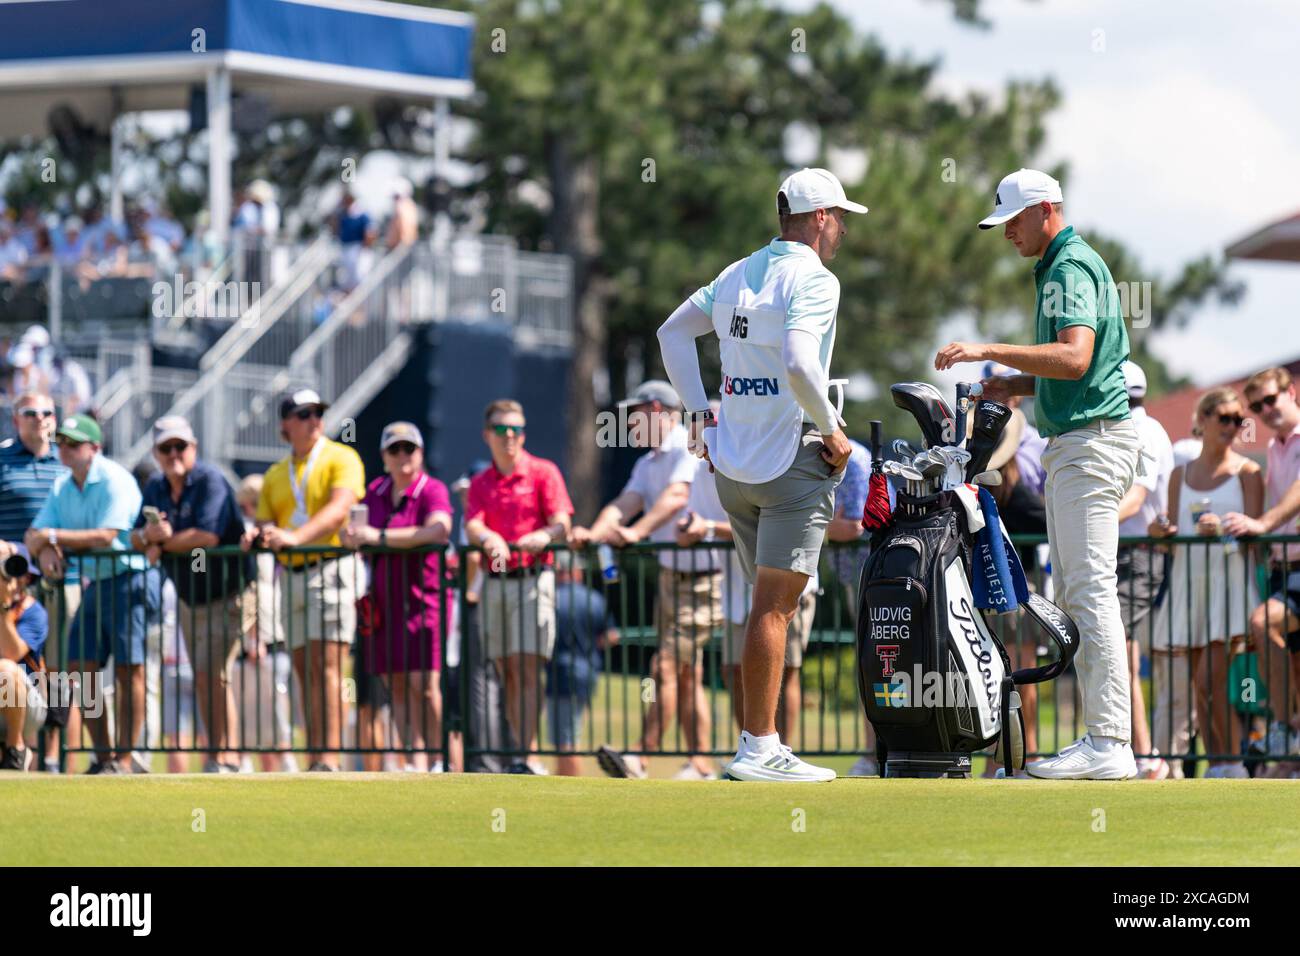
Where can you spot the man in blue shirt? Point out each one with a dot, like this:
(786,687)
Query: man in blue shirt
(90,510)
(190,507)
(23,629)
(28,465)
(583,629)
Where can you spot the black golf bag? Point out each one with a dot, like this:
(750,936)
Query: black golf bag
(936,683)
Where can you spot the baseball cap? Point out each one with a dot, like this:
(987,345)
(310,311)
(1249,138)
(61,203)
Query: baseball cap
(810,189)
(173,426)
(400,431)
(299,399)
(81,428)
(1135,380)
(654,390)
(1019,191)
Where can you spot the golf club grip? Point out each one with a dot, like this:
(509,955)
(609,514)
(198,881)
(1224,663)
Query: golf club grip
(875,441)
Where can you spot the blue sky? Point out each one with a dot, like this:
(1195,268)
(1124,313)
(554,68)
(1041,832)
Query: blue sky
(1179,120)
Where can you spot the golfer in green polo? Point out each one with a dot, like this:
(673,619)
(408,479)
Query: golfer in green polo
(1074,371)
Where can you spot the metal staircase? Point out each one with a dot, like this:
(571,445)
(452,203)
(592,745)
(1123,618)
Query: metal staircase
(305,332)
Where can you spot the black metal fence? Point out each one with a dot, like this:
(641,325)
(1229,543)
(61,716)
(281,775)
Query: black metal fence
(405,659)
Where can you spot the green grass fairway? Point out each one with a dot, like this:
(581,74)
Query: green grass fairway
(356,819)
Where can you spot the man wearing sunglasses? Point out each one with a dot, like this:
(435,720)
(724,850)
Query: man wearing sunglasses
(1074,371)
(1271,394)
(28,465)
(189,507)
(305,500)
(515,510)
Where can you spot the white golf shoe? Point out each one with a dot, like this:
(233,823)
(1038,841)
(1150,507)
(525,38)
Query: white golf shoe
(775,766)
(1082,761)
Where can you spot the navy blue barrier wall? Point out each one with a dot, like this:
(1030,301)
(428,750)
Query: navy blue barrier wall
(454,370)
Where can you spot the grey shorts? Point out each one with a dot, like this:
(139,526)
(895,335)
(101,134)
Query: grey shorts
(781,523)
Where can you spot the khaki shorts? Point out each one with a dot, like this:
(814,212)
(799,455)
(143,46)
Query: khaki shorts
(687,612)
(782,523)
(58,641)
(796,635)
(211,630)
(34,717)
(518,615)
(318,602)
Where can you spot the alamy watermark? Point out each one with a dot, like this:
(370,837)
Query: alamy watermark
(204,300)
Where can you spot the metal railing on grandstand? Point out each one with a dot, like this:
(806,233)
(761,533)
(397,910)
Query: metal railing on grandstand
(642,663)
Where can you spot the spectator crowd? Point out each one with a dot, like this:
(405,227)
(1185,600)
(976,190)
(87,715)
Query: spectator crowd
(332,598)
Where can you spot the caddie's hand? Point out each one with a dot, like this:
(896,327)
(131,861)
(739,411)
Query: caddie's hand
(695,443)
(836,450)
(954,353)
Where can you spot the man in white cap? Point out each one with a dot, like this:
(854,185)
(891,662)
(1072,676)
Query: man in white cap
(777,444)
(688,607)
(1075,373)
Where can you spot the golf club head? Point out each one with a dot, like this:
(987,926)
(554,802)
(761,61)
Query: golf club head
(990,421)
(987,478)
(926,405)
(902,449)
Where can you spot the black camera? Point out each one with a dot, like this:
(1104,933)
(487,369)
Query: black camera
(14,566)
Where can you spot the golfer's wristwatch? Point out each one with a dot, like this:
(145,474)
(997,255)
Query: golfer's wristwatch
(383,537)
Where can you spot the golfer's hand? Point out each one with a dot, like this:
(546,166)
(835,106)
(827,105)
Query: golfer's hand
(1242,526)
(996,389)
(836,450)
(954,353)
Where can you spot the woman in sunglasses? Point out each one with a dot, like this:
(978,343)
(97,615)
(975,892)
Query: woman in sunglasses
(1206,611)
(406,509)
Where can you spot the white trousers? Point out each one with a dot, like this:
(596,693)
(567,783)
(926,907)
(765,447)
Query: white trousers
(1089,470)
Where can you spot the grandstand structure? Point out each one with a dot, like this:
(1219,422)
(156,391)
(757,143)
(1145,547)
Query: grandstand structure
(211,351)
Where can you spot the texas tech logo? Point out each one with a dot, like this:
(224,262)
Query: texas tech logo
(739,325)
(888,653)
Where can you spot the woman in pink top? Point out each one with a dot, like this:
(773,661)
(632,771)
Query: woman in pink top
(408,509)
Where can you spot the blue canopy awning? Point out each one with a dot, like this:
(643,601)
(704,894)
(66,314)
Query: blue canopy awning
(102,57)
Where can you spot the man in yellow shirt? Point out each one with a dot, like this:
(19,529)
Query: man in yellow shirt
(306,498)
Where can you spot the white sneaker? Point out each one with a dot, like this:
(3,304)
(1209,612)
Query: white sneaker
(864,767)
(690,772)
(436,767)
(779,766)
(1081,761)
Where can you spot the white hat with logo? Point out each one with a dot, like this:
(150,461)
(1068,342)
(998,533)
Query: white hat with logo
(811,189)
(1017,192)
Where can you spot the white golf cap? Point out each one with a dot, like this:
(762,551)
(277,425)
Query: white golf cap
(1018,191)
(1135,380)
(173,426)
(811,189)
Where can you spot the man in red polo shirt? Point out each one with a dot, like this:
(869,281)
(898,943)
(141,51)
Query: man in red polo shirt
(515,509)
